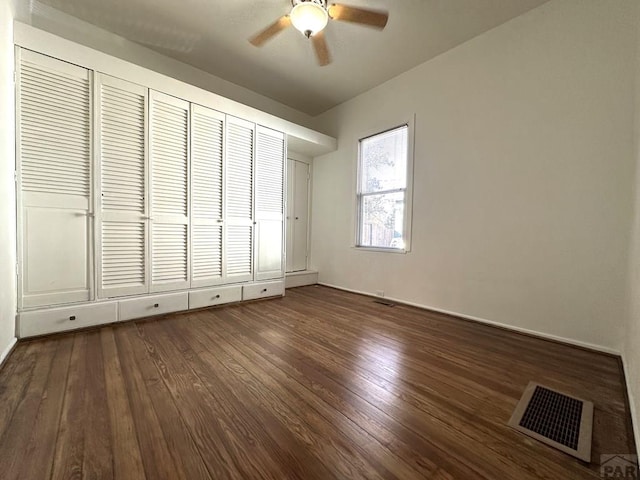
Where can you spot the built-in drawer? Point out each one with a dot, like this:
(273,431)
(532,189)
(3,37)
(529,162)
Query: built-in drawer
(215,296)
(153,305)
(263,289)
(41,322)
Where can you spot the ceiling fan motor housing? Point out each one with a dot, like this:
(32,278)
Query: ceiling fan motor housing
(309,16)
(322,3)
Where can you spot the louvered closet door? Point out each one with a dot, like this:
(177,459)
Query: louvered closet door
(207,140)
(169,155)
(270,157)
(54,165)
(121,230)
(238,244)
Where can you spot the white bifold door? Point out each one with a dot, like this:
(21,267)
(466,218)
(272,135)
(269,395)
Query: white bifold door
(122,200)
(238,236)
(207,193)
(270,155)
(169,187)
(54,111)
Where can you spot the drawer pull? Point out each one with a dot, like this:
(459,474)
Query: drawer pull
(72,317)
(264,290)
(156,305)
(216,297)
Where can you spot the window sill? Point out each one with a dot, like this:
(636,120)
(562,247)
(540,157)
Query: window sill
(381,250)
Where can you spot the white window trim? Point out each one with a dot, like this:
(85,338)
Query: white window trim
(408,211)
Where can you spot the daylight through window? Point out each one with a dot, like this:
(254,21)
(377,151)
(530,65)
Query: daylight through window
(382,189)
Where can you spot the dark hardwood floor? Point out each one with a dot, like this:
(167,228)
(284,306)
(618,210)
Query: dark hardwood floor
(321,384)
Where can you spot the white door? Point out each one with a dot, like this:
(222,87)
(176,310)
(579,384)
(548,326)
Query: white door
(291,172)
(54,165)
(169,165)
(297,215)
(207,153)
(122,207)
(270,155)
(238,236)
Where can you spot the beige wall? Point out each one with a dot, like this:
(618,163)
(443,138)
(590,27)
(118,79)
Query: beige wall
(7,189)
(632,330)
(523,176)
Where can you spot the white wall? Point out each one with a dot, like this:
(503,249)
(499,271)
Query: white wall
(66,26)
(7,189)
(523,176)
(632,331)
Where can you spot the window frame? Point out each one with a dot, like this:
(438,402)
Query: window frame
(408,190)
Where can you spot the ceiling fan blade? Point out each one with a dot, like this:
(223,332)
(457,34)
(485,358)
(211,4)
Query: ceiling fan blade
(371,18)
(271,31)
(321,49)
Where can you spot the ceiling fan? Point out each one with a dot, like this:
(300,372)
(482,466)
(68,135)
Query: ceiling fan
(311,16)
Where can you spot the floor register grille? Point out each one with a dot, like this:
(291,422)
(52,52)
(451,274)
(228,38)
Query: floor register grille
(559,420)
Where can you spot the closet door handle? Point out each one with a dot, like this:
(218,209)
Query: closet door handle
(156,305)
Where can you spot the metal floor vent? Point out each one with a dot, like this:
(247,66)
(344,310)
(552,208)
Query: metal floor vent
(384,302)
(559,420)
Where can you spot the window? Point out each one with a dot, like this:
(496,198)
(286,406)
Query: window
(383,195)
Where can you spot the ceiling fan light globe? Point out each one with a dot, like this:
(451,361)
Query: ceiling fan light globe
(309,17)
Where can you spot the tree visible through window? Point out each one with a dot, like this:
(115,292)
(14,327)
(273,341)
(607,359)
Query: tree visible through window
(382,189)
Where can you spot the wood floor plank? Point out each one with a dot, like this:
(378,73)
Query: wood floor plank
(97,461)
(443,332)
(195,408)
(491,428)
(157,457)
(16,375)
(608,393)
(247,434)
(225,431)
(262,386)
(320,384)
(20,428)
(127,460)
(45,430)
(301,463)
(69,454)
(308,343)
(383,398)
(381,426)
(272,376)
(308,425)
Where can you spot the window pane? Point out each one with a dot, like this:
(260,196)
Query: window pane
(383,160)
(381,224)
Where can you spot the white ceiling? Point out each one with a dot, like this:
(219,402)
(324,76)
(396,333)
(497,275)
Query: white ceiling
(212,36)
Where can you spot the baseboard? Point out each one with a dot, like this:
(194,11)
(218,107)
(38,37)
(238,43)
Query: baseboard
(525,331)
(632,405)
(5,354)
(301,278)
